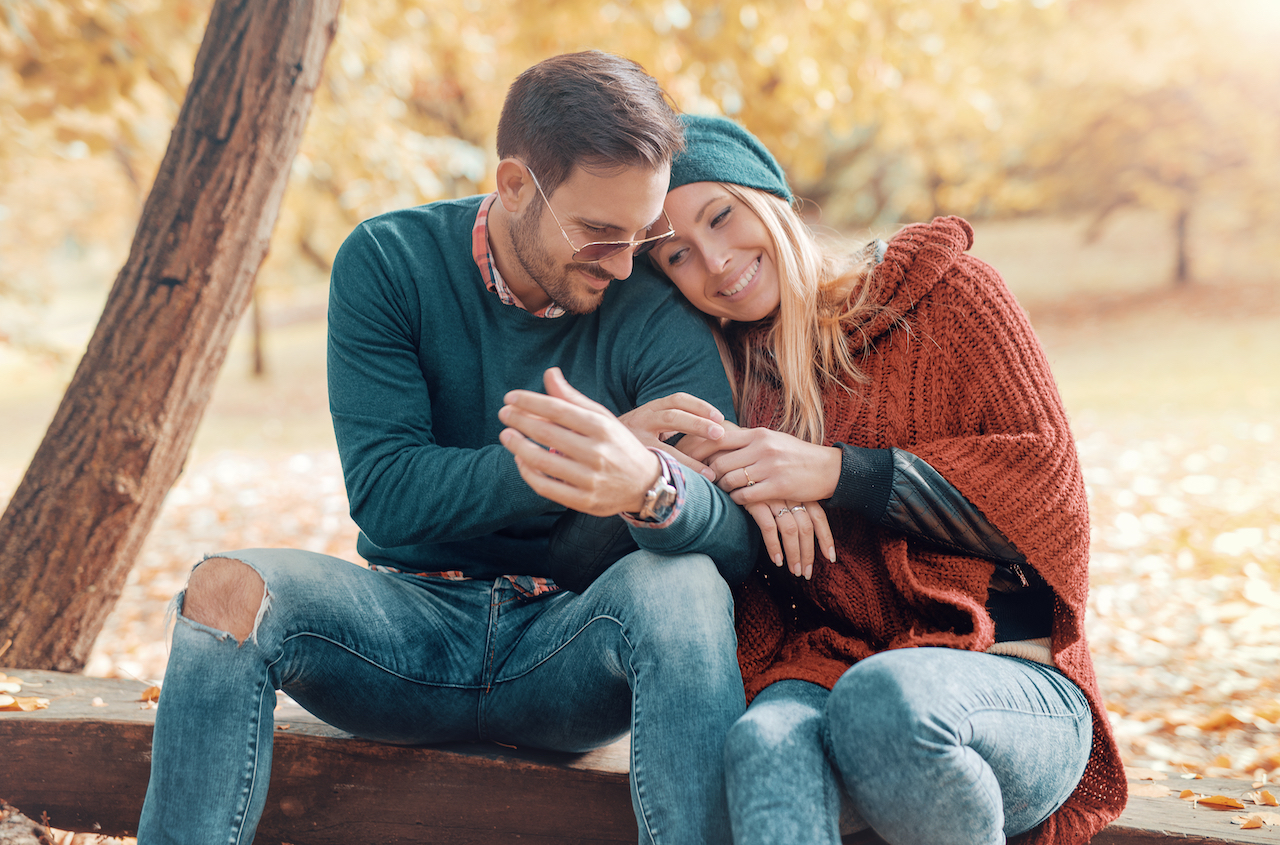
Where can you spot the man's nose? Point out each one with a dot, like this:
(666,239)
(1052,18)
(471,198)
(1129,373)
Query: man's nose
(619,266)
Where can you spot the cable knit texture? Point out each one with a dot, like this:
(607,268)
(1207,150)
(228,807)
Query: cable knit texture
(958,378)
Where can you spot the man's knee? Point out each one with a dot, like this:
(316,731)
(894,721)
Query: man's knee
(681,594)
(225,594)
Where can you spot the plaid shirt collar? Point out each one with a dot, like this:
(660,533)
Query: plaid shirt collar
(489,271)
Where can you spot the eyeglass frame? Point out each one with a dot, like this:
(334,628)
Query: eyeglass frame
(643,246)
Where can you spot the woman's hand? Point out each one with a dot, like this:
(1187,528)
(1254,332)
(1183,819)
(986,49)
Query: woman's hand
(761,465)
(653,422)
(791,533)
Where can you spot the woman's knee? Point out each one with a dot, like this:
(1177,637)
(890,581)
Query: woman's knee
(780,727)
(225,594)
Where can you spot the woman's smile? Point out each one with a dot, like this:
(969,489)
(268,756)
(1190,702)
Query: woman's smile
(743,280)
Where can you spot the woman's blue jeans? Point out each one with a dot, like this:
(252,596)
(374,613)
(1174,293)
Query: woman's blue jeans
(927,746)
(649,648)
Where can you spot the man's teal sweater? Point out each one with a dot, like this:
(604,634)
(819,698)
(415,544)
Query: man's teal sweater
(421,354)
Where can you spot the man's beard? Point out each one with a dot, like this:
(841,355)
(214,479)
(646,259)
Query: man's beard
(555,280)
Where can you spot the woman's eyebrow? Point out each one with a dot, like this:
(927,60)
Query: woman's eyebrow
(697,218)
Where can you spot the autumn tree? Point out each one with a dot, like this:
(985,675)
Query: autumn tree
(1164,106)
(121,434)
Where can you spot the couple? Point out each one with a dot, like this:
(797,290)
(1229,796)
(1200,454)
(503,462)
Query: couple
(891,554)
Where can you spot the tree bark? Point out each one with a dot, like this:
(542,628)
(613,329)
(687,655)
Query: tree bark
(1182,249)
(120,437)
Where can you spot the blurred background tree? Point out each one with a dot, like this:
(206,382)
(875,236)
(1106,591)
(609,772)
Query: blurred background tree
(882,111)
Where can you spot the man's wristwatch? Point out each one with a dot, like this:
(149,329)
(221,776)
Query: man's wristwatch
(661,496)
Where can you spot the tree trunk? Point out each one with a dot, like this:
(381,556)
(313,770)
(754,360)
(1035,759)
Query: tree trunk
(122,432)
(1182,258)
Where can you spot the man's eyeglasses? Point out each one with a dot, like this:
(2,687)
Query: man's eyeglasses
(598,251)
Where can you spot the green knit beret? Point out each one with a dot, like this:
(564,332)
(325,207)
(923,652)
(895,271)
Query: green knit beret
(719,150)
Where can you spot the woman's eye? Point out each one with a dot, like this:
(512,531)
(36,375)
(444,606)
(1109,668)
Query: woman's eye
(719,219)
(676,257)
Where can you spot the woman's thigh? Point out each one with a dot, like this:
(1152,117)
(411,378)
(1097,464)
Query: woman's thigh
(984,746)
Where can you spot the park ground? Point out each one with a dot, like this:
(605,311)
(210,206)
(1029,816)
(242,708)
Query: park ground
(1174,400)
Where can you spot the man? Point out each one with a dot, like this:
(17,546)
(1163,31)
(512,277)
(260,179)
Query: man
(453,632)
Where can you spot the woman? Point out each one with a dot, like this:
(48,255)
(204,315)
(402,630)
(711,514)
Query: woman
(927,667)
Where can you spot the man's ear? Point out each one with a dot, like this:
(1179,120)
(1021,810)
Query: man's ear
(515,188)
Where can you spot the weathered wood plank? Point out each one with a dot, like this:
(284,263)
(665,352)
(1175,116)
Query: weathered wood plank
(1148,818)
(87,766)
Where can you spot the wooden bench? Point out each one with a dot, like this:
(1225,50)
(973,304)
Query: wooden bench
(87,767)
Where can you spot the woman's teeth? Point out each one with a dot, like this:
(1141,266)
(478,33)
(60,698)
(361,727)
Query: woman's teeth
(744,281)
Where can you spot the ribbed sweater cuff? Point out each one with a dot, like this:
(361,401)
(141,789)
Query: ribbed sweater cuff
(866,479)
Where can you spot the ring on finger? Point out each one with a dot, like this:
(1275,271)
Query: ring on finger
(748,475)
(782,512)
(799,508)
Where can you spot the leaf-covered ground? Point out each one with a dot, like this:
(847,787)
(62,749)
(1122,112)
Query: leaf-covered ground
(1184,613)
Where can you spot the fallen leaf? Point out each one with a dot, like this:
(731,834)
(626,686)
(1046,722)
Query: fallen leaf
(23,702)
(1266,798)
(283,727)
(1221,802)
(97,702)
(150,694)
(1189,793)
(1191,776)
(1250,823)
(1148,790)
(10,687)
(1220,720)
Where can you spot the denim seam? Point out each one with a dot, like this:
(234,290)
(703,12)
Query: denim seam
(374,663)
(636,768)
(255,724)
(487,671)
(565,644)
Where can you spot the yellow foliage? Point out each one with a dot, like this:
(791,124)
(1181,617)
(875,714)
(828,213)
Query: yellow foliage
(880,110)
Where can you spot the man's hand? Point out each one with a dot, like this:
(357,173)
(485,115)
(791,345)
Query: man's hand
(574,451)
(653,422)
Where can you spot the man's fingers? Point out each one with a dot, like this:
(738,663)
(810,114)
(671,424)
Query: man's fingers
(558,386)
(529,453)
(541,431)
(524,405)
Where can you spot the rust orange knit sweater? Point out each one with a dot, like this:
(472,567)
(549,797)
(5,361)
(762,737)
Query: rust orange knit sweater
(959,379)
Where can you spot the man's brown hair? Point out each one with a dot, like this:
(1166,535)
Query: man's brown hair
(590,109)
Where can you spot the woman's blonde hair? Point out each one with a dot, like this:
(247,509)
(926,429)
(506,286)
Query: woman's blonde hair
(825,292)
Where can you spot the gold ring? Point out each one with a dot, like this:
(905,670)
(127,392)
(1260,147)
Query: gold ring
(748,475)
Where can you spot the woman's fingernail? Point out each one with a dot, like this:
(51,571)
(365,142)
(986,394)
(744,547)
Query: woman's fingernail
(709,475)
(831,553)
(777,560)
(808,572)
